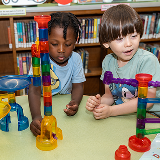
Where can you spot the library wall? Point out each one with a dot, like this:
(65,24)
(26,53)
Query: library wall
(93,84)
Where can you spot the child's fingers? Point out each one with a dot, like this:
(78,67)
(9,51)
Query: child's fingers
(94,101)
(35,127)
(70,112)
(73,108)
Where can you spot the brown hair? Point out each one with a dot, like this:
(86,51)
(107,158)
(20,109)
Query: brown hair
(118,21)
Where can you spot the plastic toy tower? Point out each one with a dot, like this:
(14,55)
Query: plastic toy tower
(138,142)
(49,130)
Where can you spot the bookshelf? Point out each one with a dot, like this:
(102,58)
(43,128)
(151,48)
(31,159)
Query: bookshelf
(93,84)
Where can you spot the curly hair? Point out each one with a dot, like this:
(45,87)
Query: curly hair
(65,20)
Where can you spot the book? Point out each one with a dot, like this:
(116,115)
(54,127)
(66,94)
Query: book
(83,31)
(152,25)
(34,31)
(98,26)
(148,26)
(144,19)
(15,34)
(9,37)
(20,64)
(24,35)
(21,34)
(31,32)
(156,30)
(86,62)
(29,35)
(95,31)
(80,20)
(37,30)
(92,29)
(27,62)
(30,60)
(24,64)
(89,30)
(86,31)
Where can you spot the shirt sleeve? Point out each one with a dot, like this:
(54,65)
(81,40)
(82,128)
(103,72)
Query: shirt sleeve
(78,74)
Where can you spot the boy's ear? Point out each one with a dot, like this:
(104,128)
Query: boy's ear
(106,45)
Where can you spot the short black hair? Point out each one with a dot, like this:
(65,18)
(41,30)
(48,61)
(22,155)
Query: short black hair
(118,21)
(65,20)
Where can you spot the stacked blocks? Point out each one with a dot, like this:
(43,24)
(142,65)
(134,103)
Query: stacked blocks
(49,130)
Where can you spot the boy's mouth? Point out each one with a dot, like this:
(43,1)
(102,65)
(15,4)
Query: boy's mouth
(128,53)
(61,58)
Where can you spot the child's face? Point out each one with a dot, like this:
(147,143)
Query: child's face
(59,48)
(125,47)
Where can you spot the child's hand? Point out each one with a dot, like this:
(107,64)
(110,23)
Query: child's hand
(102,111)
(72,108)
(35,125)
(92,102)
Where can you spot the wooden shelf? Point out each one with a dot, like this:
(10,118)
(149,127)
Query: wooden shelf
(151,40)
(94,72)
(5,48)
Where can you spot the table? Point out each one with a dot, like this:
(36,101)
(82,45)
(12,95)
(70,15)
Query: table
(84,138)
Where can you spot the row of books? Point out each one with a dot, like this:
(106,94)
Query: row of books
(89,30)
(25,33)
(85,58)
(151,24)
(154,48)
(24,61)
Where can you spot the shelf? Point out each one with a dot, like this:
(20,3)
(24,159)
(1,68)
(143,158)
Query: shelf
(151,40)
(23,49)
(5,48)
(94,72)
(87,44)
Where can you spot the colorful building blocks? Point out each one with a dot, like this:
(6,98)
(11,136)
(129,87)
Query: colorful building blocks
(49,130)
(138,142)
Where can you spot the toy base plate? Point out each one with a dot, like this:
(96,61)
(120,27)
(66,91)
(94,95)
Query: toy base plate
(139,145)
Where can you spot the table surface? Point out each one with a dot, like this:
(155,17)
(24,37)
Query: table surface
(84,138)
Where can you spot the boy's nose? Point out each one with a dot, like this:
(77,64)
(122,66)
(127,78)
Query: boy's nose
(128,42)
(61,48)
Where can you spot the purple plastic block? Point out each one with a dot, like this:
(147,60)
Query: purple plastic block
(152,120)
(108,79)
(46,79)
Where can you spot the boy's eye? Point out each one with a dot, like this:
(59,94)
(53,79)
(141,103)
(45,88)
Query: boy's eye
(119,39)
(134,35)
(54,44)
(67,45)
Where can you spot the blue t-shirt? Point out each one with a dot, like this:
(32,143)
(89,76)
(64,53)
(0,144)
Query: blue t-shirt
(62,77)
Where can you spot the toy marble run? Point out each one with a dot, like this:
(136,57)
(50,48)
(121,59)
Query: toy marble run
(40,50)
(12,83)
(138,142)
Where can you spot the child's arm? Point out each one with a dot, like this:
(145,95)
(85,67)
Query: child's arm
(104,111)
(76,97)
(34,97)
